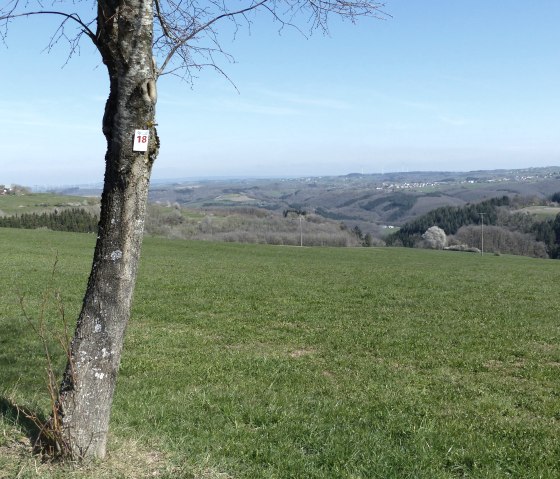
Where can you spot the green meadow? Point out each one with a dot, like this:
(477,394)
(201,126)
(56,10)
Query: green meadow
(255,361)
(41,202)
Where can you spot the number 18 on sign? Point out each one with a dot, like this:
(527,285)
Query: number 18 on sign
(141,140)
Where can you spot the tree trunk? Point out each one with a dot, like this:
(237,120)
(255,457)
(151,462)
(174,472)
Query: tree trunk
(124,38)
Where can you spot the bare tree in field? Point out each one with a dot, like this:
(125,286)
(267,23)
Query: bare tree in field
(138,40)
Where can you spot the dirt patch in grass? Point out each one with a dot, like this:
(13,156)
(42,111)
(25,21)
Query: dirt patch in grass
(545,347)
(298,353)
(505,367)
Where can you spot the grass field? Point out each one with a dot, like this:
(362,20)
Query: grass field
(250,361)
(544,212)
(40,202)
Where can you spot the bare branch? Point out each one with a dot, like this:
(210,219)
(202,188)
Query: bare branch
(161,19)
(68,16)
(186,25)
(207,26)
(186,34)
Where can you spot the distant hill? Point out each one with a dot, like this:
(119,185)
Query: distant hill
(373,202)
(370,201)
(348,210)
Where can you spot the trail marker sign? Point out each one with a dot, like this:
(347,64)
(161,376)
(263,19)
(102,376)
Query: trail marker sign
(141,138)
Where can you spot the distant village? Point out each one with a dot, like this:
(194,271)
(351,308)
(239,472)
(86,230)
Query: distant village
(13,190)
(514,177)
(382,182)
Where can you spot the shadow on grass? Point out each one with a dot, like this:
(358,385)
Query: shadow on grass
(28,421)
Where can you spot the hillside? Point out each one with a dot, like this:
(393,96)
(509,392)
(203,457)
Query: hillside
(241,224)
(372,202)
(262,361)
(502,224)
(339,211)
(27,203)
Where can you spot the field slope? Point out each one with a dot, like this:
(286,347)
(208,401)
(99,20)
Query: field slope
(252,361)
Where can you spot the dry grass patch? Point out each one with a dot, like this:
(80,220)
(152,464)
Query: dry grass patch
(127,460)
(495,364)
(546,347)
(298,353)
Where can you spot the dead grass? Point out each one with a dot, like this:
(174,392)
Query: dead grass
(298,353)
(507,367)
(127,460)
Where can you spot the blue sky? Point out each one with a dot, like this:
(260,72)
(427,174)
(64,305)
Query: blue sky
(442,85)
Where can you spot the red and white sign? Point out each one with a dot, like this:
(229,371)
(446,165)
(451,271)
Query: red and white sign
(141,138)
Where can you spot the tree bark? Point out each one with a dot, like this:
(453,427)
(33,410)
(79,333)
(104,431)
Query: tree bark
(124,38)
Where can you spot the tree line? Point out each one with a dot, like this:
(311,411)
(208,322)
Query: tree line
(76,220)
(449,219)
(506,230)
(548,232)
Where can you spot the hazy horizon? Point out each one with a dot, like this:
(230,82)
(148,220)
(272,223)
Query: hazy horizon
(446,86)
(187,179)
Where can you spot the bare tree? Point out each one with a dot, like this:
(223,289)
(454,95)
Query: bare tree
(138,41)
(501,240)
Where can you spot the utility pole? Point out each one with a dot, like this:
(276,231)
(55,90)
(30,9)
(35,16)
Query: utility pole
(481,233)
(301,213)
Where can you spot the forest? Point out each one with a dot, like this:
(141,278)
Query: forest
(506,225)
(76,220)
